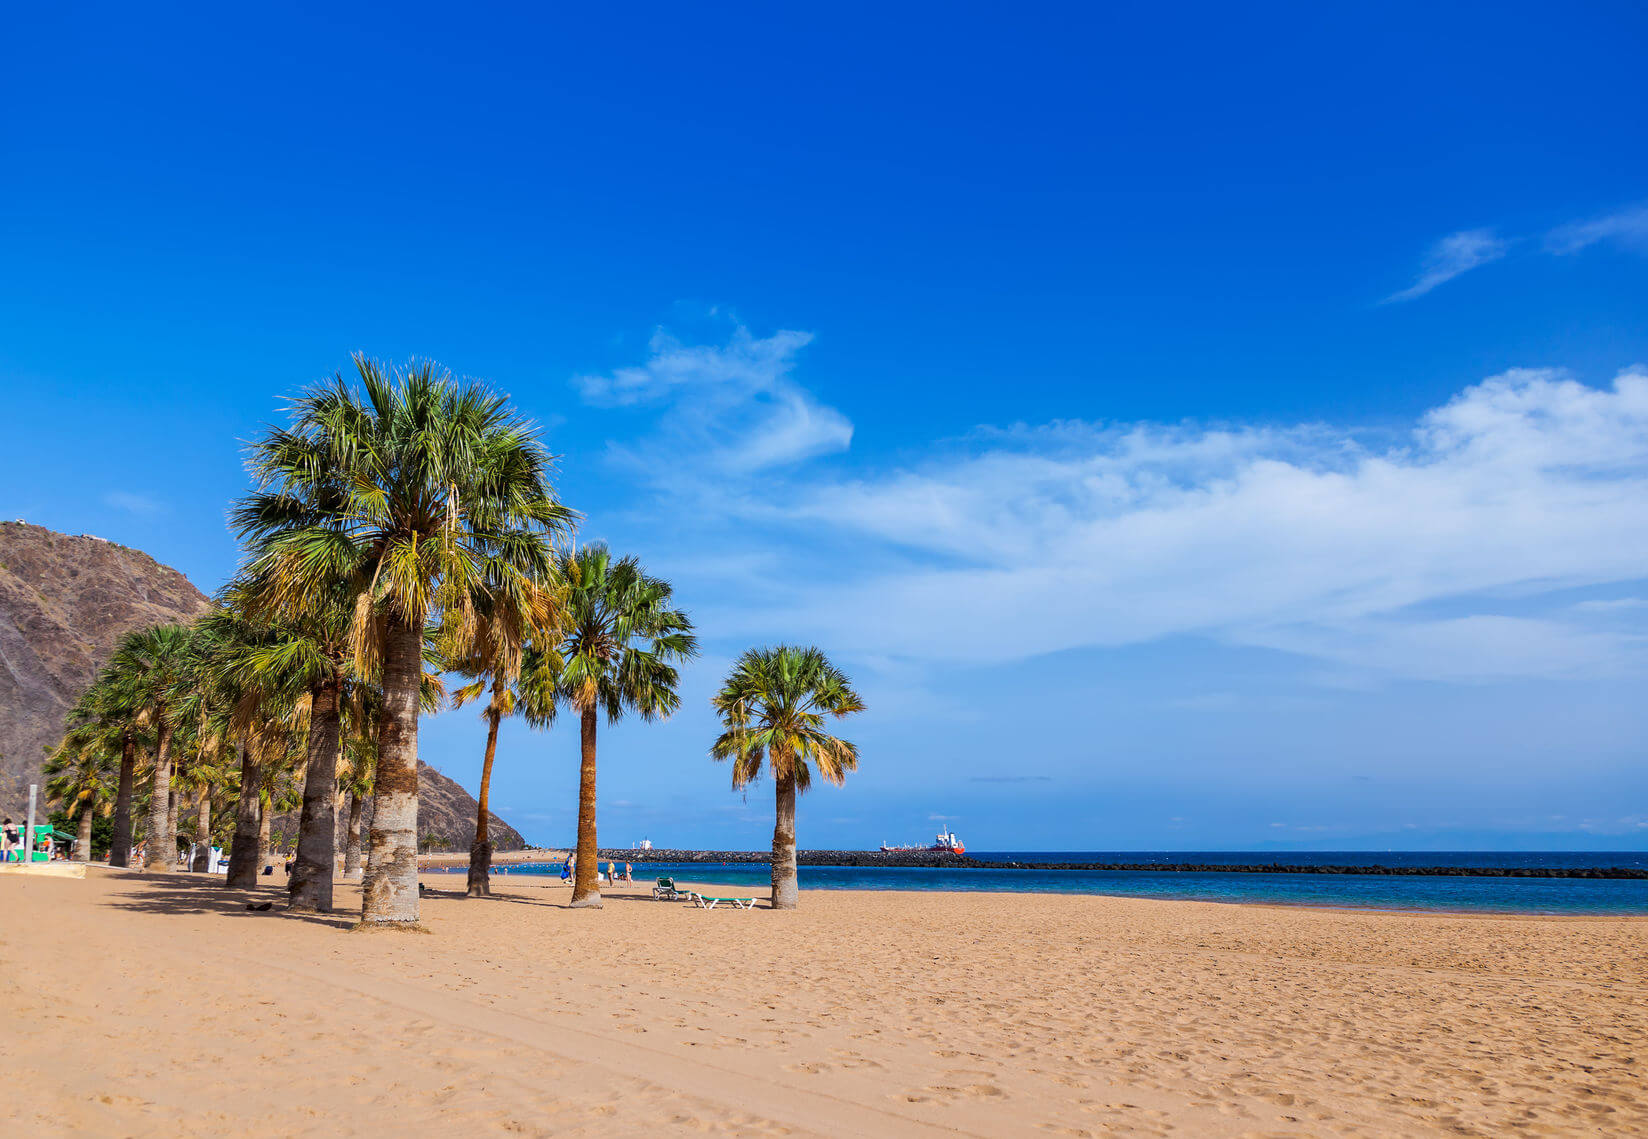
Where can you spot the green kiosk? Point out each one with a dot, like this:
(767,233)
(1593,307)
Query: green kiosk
(46,837)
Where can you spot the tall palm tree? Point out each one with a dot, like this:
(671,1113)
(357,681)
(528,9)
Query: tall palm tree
(264,707)
(487,642)
(357,788)
(773,707)
(113,705)
(360,757)
(414,489)
(202,771)
(82,773)
(616,655)
(306,646)
(155,665)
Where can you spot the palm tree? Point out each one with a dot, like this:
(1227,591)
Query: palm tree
(621,637)
(773,706)
(360,753)
(113,705)
(201,770)
(82,773)
(264,707)
(488,643)
(357,786)
(414,489)
(306,648)
(154,666)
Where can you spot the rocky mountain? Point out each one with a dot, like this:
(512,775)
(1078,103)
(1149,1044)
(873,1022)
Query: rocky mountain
(447,810)
(65,602)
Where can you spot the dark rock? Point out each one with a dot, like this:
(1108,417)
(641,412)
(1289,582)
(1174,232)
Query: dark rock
(933,859)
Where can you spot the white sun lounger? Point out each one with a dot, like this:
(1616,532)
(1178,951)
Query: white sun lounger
(705,903)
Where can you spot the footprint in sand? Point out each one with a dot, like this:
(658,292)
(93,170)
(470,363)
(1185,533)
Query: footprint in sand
(967,1091)
(853,1059)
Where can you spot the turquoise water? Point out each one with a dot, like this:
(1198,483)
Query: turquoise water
(1443,893)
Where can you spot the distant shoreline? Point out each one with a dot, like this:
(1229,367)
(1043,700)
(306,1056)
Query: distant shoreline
(929,860)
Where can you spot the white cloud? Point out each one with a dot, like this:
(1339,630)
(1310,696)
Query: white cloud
(730,409)
(1628,227)
(1427,553)
(1455,254)
(1612,607)
(1301,539)
(1468,249)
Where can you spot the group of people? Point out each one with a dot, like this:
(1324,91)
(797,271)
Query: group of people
(13,846)
(607,877)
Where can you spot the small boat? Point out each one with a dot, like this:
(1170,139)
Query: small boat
(945,842)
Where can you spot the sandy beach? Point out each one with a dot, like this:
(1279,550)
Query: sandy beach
(162,1007)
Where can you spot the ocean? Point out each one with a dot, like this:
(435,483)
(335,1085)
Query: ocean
(1461,893)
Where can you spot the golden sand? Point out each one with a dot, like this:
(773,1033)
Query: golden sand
(141,1006)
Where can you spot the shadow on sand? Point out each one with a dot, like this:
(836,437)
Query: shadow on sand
(563,901)
(199,894)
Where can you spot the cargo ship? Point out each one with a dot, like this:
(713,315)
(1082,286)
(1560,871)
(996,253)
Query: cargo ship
(945,842)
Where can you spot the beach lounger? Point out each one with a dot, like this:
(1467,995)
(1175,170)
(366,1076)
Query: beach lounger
(665,889)
(704,903)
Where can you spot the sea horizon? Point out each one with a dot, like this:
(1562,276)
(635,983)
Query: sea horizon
(1462,893)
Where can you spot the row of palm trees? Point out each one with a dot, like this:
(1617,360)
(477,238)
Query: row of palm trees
(404,530)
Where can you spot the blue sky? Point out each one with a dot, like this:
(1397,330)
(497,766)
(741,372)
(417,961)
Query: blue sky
(1194,429)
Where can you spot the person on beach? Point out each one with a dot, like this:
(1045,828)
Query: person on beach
(566,869)
(629,872)
(8,839)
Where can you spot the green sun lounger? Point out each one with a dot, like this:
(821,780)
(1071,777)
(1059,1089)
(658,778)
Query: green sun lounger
(665,888)
(705,903)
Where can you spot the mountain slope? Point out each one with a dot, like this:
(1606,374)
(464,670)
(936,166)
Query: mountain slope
(65,602)
(447,810)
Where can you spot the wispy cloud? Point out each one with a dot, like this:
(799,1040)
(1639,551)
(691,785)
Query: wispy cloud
(1300,539)
(732,408)
(1422,555)
(1471,248)
(1627,227)
(133,503)
(1455,254)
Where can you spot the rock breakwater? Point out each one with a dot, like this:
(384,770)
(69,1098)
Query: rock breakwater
(930,859)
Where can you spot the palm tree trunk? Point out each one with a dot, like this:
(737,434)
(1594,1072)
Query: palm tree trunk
(203,833)
(586,884)
(83,839)
(173,802)
(162,849)
(266,820)
(243,851)
(120,848)
(783,851)
(352,844)
(389,892)
(311,885)
(480,851)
